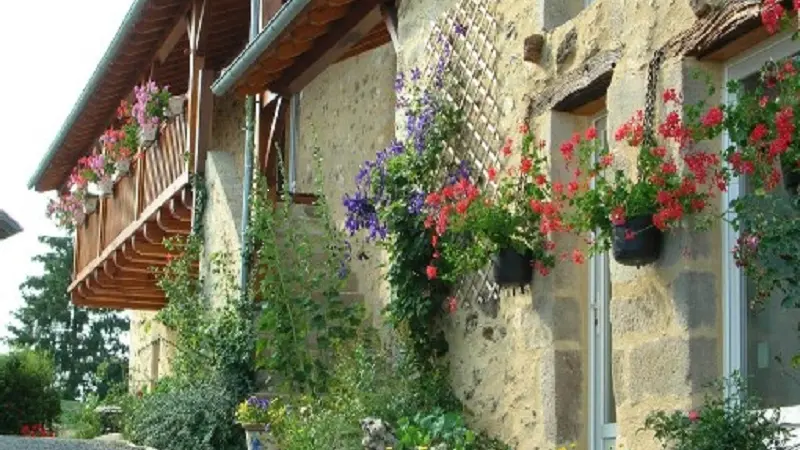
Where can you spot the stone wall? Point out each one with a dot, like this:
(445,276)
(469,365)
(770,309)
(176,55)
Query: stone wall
(150,351)
(348,112)
(521,365)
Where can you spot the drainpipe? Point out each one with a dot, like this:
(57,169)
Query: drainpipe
(249,150)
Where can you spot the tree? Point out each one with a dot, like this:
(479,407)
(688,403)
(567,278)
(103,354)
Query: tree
(79,339)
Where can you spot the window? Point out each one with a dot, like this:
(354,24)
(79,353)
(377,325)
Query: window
(603,415)
(759,343)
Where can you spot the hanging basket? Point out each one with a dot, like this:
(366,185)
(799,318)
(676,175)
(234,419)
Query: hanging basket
(175,105)
(512,268)
(791,178)
(101,188)
(122,168)
(90,205)
(641,248)
(148,134)
(258,438)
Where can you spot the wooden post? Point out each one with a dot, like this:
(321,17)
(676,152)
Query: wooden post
(205,113)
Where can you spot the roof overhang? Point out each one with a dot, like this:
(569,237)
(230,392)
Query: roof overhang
(152,42)
(8,226)
(300,41)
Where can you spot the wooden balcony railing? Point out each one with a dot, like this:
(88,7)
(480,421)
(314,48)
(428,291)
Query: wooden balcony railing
(117,246)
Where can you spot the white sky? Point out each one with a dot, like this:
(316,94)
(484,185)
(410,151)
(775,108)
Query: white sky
(49,49)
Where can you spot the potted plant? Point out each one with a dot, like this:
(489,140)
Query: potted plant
(66,211)
(254,415)
(629,216)
(509,229)
(118,152)
(150,110)
(95,169)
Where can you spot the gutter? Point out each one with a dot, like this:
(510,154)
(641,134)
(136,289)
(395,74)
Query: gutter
(127,27)
(251,108)
(258,45)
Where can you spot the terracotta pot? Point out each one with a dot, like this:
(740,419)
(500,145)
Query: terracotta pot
(258,438)
(643,248)
(148,134)
(175,107)
(90,205)
(101,188)
(512,268)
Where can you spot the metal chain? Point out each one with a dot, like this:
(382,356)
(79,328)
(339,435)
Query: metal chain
(649,139)
(650,97)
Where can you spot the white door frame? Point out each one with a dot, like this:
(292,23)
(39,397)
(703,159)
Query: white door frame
(599,338)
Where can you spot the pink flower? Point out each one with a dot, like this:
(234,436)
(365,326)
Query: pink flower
(591,133)
(713,117)
(694,416)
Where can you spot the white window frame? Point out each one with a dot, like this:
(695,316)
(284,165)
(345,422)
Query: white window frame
(734,304)
(600,432)
(294,135)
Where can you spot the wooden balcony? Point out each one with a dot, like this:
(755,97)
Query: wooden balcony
(118,246)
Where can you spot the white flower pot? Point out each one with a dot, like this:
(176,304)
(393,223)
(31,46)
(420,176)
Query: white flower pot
(74,188)
(175,107)
(258,438)
(90,205)
(121,169)
(148,134)
(102,187)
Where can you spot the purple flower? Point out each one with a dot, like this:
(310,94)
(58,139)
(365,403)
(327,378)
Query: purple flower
(460,29)
(399,82)
(416,74)
(416,202)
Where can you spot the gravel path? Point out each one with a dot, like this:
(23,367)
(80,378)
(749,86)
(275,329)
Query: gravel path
(21,443)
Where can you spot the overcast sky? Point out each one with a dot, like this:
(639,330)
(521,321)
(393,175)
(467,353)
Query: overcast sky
(49,50)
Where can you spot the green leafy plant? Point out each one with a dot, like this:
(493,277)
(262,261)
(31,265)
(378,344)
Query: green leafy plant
(482,225)
(27,391)
(255,410)
(434,428)
(728,419)
(298,281)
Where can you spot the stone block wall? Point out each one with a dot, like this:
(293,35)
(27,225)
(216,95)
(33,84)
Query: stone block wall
(522,366)
(348,113)
(149,349)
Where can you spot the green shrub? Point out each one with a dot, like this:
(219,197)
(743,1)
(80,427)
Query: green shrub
(367,381)
(85,422)
(182,416)
(27,392)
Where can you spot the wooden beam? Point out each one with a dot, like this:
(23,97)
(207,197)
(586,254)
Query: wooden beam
(389,13)
(362,17)
(205,116)
(174,36)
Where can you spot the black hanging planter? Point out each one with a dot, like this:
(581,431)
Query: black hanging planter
(791,178)
(512,268)
(643,248)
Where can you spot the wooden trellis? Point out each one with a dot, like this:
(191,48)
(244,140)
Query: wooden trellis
(468,33)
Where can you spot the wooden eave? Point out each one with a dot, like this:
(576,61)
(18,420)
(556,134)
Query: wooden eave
(325,32)
(134,60)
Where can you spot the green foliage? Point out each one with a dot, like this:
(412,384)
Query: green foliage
(723,422)
(181,416)
(296,277)
(256,410)
(437,427)
(86,423)
(366,381)
(27,391)
(79,339)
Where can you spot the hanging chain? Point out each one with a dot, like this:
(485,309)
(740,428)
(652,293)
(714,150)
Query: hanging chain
(650,98)
(649,139)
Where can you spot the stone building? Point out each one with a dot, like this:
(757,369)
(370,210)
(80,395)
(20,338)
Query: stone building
(586,353)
